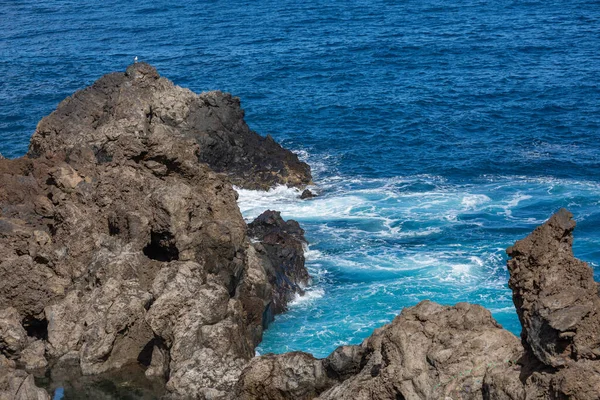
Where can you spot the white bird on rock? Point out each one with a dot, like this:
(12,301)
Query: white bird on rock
(135,59)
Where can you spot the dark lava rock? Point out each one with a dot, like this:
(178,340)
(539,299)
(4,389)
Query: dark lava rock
(435,352)
(118,247)
(282,244)
(139,102)
(307,194)
(559,308)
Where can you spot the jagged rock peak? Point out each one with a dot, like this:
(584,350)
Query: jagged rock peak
(555,294)
(135,105)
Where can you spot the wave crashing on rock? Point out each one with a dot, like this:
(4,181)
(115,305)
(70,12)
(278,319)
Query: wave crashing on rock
(121,244)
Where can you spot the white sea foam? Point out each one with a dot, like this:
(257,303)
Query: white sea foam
(371,245)
(421,232)
(470,201)
(250,200)
(311,255)
(508,309)
(476,260)
(514,202)
(310,296)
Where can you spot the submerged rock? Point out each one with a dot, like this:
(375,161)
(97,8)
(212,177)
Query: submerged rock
(128,383)
(307,194)
(435,352)
(119,247)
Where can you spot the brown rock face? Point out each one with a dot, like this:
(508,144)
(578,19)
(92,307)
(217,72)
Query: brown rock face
(555,294)
(559,307)
(122,106)
(428,352)
(118,247)
(16,384)
(435,352)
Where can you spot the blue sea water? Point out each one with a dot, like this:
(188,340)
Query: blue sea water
(438,132)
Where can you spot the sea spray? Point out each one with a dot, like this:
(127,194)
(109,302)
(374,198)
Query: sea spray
(378,245)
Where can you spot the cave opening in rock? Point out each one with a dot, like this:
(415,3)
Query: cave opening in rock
(145,356)
(162,247)
(37,328)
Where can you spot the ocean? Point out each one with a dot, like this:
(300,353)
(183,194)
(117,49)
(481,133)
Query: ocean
(438,133)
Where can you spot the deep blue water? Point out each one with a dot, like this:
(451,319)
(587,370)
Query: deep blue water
(439,133)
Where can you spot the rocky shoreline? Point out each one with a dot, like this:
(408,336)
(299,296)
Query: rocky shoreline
(123,253)
(121,242)
(432,351)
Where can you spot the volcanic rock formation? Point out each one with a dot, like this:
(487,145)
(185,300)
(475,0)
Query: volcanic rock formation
(307,194)
(18,384)
(435,352)
(282,243)
(131,105)
(558,304)
(120,244)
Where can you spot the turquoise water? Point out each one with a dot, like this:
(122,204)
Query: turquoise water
(439,132)
(378,245)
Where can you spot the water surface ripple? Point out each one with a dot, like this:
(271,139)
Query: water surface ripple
(439,132)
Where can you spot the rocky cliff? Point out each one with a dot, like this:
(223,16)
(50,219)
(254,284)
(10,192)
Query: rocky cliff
(123,252)
(129,106)
(121,241)
(436,352)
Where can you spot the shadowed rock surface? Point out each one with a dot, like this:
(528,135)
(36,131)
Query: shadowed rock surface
(139,101)
(307,194)
(282,244)
(118,247)
(16,384)
(434,352)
